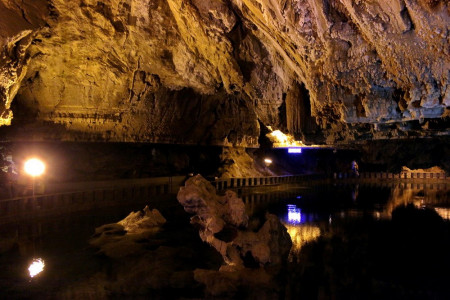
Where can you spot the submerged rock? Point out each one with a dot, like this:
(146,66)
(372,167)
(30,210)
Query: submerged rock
(229,280)
(145,256)
(125,237)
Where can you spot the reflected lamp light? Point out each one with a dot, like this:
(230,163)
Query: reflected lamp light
(294,214)
(36,267)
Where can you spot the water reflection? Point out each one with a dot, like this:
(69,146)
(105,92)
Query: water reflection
(310,212)
(444,212)
(355,192)
(300,233)
(420,196)
(36,267)
(294,214)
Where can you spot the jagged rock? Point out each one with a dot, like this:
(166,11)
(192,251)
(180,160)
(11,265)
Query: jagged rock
(212,212)
(140,221)
(222,223)
(434,170)
(125,237)
(253,259)
(191,71)
(237,163)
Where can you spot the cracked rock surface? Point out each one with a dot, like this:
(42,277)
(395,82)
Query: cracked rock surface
(210,72)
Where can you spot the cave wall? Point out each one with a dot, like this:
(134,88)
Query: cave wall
(163,116)
(391,156)
(191,71)
(80,161)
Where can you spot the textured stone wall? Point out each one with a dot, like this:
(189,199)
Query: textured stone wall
(192,71)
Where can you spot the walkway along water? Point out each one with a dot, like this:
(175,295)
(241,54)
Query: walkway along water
(71,197)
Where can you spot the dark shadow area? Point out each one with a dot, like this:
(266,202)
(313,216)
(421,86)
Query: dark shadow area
(76,161)
(406,258)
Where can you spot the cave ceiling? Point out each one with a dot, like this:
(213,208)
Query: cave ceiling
(216,72)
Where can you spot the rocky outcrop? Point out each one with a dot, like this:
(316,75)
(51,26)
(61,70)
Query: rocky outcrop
(145,256)
(19,22)
(223,222)
(252,257)
(238,163)
(190,71)
(125,237)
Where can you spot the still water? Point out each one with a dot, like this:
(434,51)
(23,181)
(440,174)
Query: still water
(349,242)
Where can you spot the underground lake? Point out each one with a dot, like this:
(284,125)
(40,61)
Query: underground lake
(349,241)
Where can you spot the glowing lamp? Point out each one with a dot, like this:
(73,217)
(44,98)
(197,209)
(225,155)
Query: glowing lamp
(267,161)
(36,267)
(34,167)
(295,150)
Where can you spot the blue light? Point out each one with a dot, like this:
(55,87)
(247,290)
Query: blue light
(294,214)
(295,150)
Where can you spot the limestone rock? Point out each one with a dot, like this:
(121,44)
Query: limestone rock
(253,258)
(212,211)
(123,238)
(433,170)
(144,220)
(222,222)
(191,71)
(238,163)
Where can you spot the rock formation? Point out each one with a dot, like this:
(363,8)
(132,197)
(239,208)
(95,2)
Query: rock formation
(123,238)
(236,162)
(146,256)
(252,257)
(191,71)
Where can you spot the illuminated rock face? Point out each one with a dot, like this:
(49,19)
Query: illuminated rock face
(191,71)
(223,223)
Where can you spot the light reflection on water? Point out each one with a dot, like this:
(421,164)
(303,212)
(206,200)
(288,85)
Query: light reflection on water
(420,197)
(307,223)
(36,267)
(354,200)
(294,214)
(300,233)
(304,224)
(444,212)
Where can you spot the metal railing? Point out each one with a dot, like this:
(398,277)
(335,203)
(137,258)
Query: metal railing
(120,193)
(77,200)
(239,182)
(387,175)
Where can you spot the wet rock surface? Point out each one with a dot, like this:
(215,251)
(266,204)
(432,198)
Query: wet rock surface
(253,256)
(206,72)
(147,255)
(130,236)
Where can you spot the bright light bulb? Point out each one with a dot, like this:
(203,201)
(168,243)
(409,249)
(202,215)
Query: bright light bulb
(34,167)
(268,161)
(36,267)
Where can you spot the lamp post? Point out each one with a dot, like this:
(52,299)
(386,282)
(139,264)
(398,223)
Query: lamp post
(34,167)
